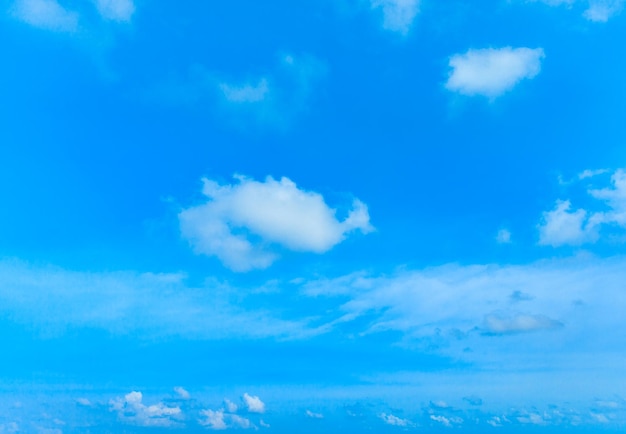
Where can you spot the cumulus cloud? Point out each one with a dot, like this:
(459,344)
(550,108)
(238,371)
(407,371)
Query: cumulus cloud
(275,211)
(390,419)
(116,10)
(131,409)
(182,393)
(45,14)
(563,226)
(231,407)
(253,403)
(492,72)
(219,420)
(398,15)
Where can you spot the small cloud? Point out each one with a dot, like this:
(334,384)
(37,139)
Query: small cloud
(398,15)
(182,393)
(564,227)
(495,421)
(492,72)
(45,14)
(116,10)
(601,10)
(264,424)
(213,419)
(246,93)
(591,173)
(503,236)
(84,402)
(276,211)
(312,415)
(446,421)
(439,404)
(495,324)
(231,407)
(253,403)
(390,419)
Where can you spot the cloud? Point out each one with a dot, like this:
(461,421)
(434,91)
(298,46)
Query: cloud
(45,14)
(597,10)
(561,226)
(390,419)
(246,93)
(398,15)
(503,236)
(564,227)
(253,403)
(313,415)
(148,304)
(497,324)
(492,72)
(231,407)
(131,409)
(218,420)
(116,10)
(277,212)
(182,393)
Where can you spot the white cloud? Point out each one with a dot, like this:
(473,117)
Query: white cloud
(276,211)
(503,236)
(218,420)
(116,10)
(398,15)
(313,415)
(182,393)
(231,407)
(246,93)
(519,323)
(562,226)
(591,173)
(253,403)
(602,10)
(45,14)
(390,419)
(491,72)
(131,409)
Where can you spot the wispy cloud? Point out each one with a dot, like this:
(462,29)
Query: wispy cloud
(131,409)
(276,211)
(45,14)
(596,10)
(390,419)
(398,15)
(116,10)
(492,72)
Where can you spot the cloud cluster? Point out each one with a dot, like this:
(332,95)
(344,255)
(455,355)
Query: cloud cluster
(398,15)
(226,417)
(274,212)
(390,419)
(596,10)
(131,409)
(492,72)
(565,226)
(51,15)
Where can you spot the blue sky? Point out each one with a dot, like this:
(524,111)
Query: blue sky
(316,216)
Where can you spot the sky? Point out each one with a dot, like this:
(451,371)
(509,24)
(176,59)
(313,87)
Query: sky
(317,216)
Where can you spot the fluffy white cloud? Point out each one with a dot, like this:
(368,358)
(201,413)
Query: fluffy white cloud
(561,226)
(491,72)
(45,14)
(398,15)
(131,409)
(277,212)
(231,407)
(602,10)
(218,420)
(253,403)
(390,419)
(116,10)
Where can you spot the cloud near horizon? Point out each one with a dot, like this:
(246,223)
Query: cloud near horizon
(276,212)
(492,72)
